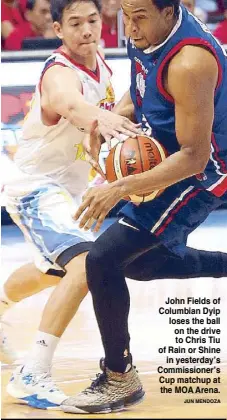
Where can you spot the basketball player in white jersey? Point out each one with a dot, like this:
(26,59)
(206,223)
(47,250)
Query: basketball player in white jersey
(53,175)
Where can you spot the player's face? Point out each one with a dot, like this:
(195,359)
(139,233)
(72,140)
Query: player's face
(80,28)
(40,16)
(145,23)
(110,8)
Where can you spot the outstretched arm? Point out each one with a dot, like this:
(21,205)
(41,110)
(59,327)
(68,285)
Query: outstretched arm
(61,93)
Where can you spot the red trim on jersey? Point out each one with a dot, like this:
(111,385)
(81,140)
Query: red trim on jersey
(176,210)
(95,76)
(216,151)
(220,189)
(173,51)
(48,67)
(104,62)
(54,122)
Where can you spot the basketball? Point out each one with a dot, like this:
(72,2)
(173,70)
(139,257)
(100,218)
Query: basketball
(133,156)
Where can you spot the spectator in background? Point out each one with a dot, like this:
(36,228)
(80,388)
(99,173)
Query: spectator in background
(23,19)
(197,11)
(221,31)
(12,18)
(207,5)
(109,37)
(210,8)
(39,16)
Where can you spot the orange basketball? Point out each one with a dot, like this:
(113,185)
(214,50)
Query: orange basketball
(133,156)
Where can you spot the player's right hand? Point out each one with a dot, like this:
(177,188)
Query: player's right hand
(113,125)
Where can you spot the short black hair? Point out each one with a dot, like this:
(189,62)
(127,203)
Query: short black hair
(57,7)
(161,4)
(30,4)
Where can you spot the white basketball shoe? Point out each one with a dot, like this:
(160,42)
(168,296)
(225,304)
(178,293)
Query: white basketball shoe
(35,389)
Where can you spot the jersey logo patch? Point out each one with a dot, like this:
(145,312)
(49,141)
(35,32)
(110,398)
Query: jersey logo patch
(141,74)
(80,152)
(109,101)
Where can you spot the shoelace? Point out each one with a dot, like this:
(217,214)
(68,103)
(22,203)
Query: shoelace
(46,380)
(98,384)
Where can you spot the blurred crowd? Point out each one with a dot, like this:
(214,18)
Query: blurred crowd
(25,19)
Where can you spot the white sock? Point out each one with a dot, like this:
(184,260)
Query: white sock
(5,302)
(41,354)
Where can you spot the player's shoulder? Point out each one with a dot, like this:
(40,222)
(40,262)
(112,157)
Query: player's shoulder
(59,63)
(57,77)
(192,61)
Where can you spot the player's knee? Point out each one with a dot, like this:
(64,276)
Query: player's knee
(97,264)
(76,274)
(81,286)
(76,283)
(80,280)
(98,258)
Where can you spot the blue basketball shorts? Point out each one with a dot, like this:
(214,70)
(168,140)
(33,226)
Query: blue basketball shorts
(177,212)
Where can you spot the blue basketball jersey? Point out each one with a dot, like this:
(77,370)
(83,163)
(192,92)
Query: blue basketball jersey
(154,107)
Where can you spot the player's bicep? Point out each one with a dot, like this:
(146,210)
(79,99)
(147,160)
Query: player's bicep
(61,85)
(192,86)
(194,120)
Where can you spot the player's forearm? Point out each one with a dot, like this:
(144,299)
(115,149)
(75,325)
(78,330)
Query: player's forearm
(128,111)
(77,111)
(84,116)
(175,168)
(125,106)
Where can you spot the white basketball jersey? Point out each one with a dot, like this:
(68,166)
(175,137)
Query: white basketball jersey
(54,153)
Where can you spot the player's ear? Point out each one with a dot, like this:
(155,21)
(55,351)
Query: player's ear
(168,12)
(58,30)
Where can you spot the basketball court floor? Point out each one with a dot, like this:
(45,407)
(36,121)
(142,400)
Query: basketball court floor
(77,356)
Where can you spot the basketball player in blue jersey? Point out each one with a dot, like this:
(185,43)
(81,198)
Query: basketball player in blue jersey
(178,92)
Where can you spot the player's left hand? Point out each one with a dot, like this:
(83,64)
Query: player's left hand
(97,202)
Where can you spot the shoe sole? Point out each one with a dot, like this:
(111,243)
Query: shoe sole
(30,400)
(117,406)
